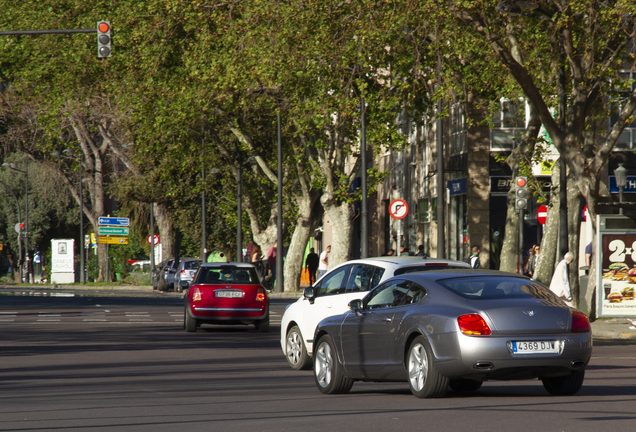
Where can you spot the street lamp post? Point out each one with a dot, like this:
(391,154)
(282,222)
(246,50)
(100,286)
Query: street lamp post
(204,232)
(25,171)
(621,182)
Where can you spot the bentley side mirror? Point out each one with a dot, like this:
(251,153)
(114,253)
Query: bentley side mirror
(356,306)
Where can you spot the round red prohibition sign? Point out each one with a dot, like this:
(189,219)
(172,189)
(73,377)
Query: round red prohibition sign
(542,214)
(156,239)
(398,209)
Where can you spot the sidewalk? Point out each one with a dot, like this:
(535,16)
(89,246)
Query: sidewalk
(613,328)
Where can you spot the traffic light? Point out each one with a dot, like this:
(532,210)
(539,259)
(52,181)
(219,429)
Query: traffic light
(521,193)
(103,39)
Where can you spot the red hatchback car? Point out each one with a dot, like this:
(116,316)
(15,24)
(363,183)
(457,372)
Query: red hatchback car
(226,293)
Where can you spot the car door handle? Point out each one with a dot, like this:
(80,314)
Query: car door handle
(387,319)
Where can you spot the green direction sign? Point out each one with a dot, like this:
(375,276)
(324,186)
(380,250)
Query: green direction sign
(114,230)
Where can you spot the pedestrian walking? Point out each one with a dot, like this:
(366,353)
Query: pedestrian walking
(533,260)
(323,265)
(257,260)
(474,257)
(311,262)
(560,284)
(526,265)
(271,261)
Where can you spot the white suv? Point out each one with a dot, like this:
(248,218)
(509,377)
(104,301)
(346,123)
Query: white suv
(331,294)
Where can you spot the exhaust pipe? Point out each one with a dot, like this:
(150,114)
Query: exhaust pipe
(577,363)
(483,365)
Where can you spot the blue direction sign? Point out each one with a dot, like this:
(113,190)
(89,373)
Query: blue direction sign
(114,221)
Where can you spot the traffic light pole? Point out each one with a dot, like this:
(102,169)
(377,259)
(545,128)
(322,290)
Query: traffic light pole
(520,241)
(39,32)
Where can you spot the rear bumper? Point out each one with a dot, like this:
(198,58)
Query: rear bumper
(228,315)
(485,358)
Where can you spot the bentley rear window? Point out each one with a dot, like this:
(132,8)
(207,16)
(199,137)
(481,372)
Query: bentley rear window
(496,288)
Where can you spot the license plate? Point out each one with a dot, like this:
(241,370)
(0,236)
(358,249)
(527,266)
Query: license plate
(535,347)
(229,294)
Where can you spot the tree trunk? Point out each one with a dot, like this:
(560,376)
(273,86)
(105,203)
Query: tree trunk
(574,230)
(296,253)
(510,248)
(340,215)
(545,264)
(164,223)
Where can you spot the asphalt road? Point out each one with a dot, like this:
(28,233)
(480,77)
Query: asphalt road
(100,363)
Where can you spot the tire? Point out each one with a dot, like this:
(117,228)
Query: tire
(424,380)
(565,385)
(263,325)
(464,385)
(295,351)
(190,322)
(327,369)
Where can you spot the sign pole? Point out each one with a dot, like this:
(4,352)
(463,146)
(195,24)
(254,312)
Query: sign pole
(520,241)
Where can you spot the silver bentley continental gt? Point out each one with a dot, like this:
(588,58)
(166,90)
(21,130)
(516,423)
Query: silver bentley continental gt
(457,329)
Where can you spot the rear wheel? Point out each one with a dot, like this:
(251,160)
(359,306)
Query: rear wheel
(295,351)
(190,322)
(327,369)
(565,385)
(465,385)
(424,380)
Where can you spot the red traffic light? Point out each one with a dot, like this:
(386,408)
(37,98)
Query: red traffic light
(521,181)
(103,27)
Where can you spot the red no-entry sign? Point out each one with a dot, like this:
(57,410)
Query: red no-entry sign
(542,214)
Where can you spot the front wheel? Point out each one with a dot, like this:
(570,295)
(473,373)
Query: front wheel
(295,351)
(424,380)
(564,385)
(327,373)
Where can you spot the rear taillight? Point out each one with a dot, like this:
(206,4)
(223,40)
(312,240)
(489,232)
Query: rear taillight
(580,323)
(261,295)
(473,325)
(196,294)
(183,272)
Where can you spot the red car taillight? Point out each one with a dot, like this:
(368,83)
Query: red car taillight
(473,325)
(261,295)
(196,294)
(183,272)
(580,323)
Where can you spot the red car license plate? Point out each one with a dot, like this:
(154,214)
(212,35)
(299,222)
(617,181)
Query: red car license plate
(229,294)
